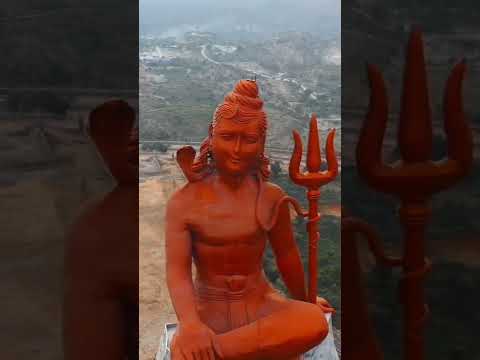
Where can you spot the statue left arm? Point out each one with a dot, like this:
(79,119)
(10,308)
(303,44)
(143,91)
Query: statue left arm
(287,254)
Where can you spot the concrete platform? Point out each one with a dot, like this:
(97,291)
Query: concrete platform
(325,351)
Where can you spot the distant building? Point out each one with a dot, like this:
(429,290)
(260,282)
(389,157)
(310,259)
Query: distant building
(194,36)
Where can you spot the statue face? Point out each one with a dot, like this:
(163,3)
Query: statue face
(236,147)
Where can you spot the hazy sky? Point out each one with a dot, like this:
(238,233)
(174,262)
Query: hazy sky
(302,14)
(329,6)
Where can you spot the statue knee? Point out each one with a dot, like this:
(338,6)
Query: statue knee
(315,324)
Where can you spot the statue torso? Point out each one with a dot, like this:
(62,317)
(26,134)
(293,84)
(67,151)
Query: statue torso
(226,236)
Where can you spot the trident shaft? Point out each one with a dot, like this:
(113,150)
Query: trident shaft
(313,180)
(416,178)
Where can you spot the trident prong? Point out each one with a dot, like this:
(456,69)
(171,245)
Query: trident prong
(415,174)
(416,177)
(313,180)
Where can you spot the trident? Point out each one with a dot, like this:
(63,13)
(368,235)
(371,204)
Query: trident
(415,178)
(313,180)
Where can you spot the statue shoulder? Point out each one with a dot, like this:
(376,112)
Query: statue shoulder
(268,204)
(272,192)
(183,198)
(179,200)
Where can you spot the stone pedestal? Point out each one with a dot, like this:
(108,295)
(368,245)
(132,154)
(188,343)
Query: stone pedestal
(325,351)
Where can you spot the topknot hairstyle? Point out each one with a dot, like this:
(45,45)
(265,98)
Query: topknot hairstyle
(242,105)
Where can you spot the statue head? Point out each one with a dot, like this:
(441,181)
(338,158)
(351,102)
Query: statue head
(236,138)
(111,126)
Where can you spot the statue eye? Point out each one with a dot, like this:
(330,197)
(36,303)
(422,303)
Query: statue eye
(227,137)
(251,139)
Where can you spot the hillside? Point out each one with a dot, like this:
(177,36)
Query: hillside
(183,79)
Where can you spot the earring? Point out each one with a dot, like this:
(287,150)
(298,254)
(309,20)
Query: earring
(210,154)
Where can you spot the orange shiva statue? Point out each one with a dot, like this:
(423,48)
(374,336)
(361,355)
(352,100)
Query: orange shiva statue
(222,219)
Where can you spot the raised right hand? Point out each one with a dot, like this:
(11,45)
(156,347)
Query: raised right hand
(193,341)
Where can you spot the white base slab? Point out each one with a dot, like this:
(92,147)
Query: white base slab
(325,351)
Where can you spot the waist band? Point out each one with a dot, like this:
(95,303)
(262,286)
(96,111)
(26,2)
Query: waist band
(229,287)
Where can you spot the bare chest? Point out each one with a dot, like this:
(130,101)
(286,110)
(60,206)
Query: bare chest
(223,222)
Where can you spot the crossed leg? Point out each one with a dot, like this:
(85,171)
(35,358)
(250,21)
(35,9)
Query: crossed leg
(283,330)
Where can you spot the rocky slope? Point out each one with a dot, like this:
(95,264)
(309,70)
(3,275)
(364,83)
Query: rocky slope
(182,80)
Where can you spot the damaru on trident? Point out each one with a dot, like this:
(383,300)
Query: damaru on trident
(222,219)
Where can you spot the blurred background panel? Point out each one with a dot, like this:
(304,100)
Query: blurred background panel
(377,32)
(60,59)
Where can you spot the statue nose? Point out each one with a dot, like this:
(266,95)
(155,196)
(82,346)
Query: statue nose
(237,146)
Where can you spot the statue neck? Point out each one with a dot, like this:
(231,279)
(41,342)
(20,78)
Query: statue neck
(232,182)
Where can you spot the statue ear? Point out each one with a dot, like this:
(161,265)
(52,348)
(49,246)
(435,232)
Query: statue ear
(111,121)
